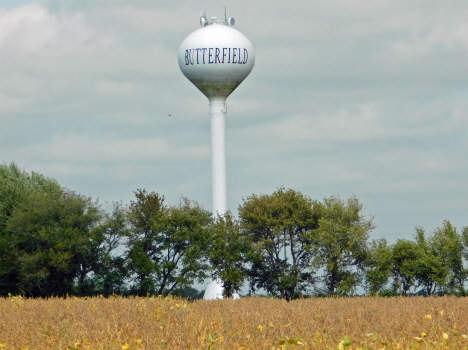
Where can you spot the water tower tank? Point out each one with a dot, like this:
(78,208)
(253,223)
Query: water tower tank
(216,58)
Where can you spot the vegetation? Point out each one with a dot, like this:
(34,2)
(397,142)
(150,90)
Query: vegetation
(167,246)
(341,242)
(52,240)
(227,254)
(55,242)
(280,231)
(249,323)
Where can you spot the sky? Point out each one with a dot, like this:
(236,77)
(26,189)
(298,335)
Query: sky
(364,98)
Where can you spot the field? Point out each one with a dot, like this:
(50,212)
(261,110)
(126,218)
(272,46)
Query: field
(249,323)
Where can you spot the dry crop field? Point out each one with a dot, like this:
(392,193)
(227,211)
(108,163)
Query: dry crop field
(249,323)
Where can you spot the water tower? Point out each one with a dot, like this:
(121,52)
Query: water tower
(216,58)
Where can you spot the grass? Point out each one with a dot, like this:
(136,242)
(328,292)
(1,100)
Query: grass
(248,323)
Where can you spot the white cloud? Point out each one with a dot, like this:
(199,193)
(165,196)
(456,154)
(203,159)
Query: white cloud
(74,148)
(33,29)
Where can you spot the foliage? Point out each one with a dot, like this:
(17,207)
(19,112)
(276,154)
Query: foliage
(145,214)
(341,239)
(404,254)
(279,231)
(430,270)
(104,272)
(15,187)
(167,247)
(54,241)
(449,246)
(51,239)
(191,293)
(378,266)
(227,254)
(435,263)
(52,236)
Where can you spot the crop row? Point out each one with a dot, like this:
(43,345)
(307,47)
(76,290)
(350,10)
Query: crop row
(248,323)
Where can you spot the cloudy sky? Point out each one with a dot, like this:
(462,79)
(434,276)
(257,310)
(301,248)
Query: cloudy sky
(365,98)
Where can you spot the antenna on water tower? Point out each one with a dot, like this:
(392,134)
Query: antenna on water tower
(216,59)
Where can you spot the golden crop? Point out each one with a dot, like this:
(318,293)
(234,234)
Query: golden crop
(249,323)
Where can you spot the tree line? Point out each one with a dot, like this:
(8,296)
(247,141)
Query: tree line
(54,241)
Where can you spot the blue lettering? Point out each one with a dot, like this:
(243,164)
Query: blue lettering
(187,60)
(197,55)
(191,56)
(224,54)
(229,57)
(210,54)
(217,51)
(246,56)
(204,49)
(234,55)
(239,62)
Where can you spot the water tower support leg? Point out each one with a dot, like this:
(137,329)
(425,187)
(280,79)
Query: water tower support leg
(214,289)
(218,155)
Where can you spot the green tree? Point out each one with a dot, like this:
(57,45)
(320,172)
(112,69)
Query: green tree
(278,229)
(341,239)
(420,263)
(430,270)
(51,234)
(447,244)
(378,266)
(51,239)
(168,245)
(227,254)
(145,216)
(191,293)
(185,241)
(404,255)
(16,186)
(102,271)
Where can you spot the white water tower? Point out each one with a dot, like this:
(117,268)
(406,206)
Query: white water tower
(216,59)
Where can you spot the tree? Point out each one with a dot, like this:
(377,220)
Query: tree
(227,254)
(21,228)
(51,239)
(15,187)
(145,216)
(404,256)
(448,245)
(185,240)
(102,271)
(378,266)
(341,239)
(167,246)
(191,293)
(278,229)
(51,234)
(430,270)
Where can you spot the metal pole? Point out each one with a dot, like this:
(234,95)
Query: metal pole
(218,154)
(218,109)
